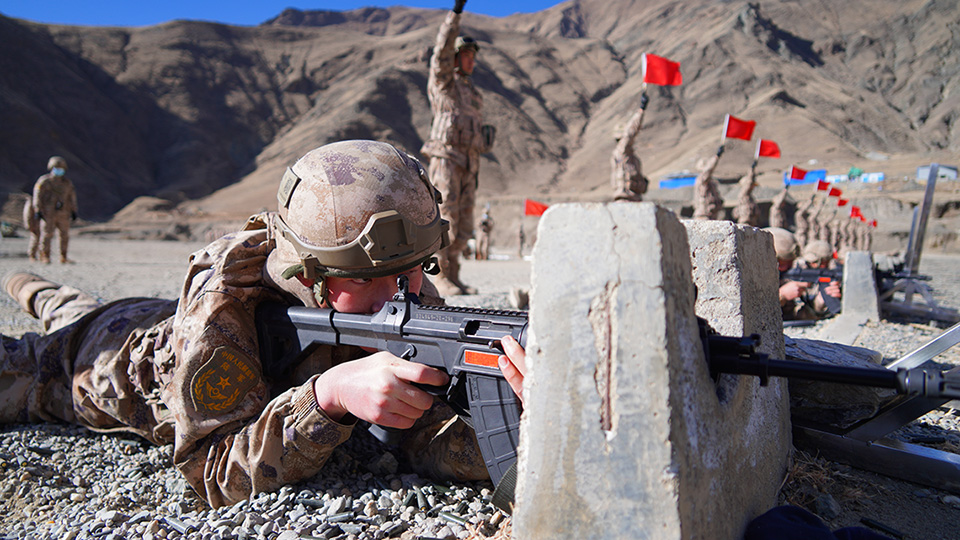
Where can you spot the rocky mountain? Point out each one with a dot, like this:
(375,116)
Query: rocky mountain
(207,115)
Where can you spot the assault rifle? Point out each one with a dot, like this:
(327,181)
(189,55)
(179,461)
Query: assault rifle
(465,342)
(819,275)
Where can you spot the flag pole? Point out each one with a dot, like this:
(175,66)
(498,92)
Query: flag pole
(726,121)
(756,155)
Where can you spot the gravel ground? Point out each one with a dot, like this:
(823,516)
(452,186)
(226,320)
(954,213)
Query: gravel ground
(61,481)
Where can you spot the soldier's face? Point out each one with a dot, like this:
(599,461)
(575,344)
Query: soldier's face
(467,60)
(367,296)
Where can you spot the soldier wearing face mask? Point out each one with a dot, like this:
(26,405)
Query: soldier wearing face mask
(54,206)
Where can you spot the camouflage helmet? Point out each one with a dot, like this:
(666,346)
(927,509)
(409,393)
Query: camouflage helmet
(56,161)
(359,209)
(467,42)
(784,243)
(817,251)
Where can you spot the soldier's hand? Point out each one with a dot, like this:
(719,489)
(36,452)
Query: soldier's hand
(458,6)
(38,215)
(73,216)
(833,289)
(644,100)
(513,365)
(792,290)
(379,389)
(720,151)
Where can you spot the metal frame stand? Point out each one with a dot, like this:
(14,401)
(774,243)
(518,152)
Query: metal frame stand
(910,283)
(866,445)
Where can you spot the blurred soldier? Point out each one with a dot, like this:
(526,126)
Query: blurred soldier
(483,239)
(747,211)
(626,175)
(802,217)
(189,373)
(32,225)
(54,207)
(817,254)
(778,210)
(707,202)
(457,138)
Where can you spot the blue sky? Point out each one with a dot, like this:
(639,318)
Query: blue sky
(239,12)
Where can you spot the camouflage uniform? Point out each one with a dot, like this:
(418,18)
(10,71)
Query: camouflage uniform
(802,217)
(189,373)
(626,174)
(747,211)
(456,142)
(707,202)
(56,201)
(483,239)
(778,210)
(32,225)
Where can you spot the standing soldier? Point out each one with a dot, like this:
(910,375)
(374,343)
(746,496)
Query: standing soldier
(802,217)
(483,239)
(457,138)
(32,225)
(747,211)
(54,207)
(778,210)
(707,202)
(629,183)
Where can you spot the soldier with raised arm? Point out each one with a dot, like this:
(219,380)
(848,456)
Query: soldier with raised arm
(747,211)
(457,138)
(707,202)
(626,174)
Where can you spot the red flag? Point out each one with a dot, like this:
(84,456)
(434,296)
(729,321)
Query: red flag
(855,212)
(533,208)
(873,224)
(842,202)
(796,173)
(659,70)
(863,219)
(834,192)
(736,128)
(768,149)
(822,186)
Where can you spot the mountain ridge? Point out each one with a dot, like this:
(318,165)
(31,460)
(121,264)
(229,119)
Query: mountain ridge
(208,115)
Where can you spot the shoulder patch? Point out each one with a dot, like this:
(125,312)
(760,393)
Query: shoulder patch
(219,384)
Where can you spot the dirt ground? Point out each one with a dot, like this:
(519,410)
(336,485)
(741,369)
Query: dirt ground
(113,269)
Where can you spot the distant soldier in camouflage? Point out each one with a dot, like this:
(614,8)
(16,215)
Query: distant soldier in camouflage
(189,372)
(626,173)
(32,226)
(778,210)
(802,217)
(483,239)
(747,211)
(707,202)
(54,208)
(457,138)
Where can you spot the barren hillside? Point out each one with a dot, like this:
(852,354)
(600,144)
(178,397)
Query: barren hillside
(207,115)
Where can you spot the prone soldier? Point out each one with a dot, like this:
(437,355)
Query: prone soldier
(189,372)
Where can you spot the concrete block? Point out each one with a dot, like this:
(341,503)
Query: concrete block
(624,434)
(860,286)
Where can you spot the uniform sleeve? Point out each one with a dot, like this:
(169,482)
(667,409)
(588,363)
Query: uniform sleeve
(442,63)
(232,438)
(71,197)
(633,129)
(708,169)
